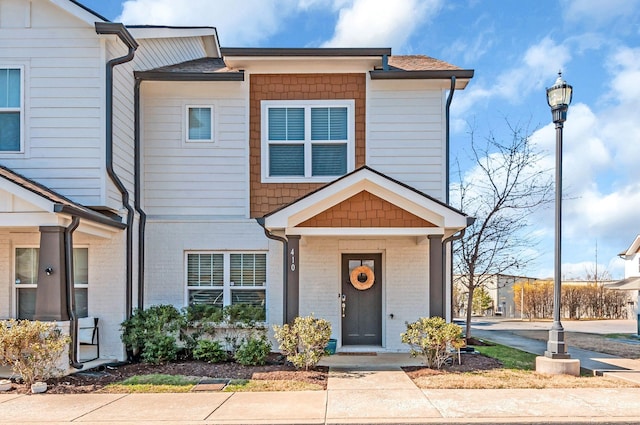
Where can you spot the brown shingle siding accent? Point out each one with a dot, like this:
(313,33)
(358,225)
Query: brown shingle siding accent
(365,210)
(266,197)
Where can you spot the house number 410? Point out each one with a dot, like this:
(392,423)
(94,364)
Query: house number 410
(293,260)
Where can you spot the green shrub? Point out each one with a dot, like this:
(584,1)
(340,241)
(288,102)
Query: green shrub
(210,351)
(31,348)
(434,339)
(152,333)
(304,342)
(253,351)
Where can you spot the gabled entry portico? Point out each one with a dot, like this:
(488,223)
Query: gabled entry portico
(391,231)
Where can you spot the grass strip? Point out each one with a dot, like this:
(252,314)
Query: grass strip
(161,379)
(244,385)
(511,358)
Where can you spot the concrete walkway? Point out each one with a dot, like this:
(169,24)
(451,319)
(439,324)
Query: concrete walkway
(374,394)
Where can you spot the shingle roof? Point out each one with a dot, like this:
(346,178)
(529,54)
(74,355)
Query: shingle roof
(198,65)
(418,63)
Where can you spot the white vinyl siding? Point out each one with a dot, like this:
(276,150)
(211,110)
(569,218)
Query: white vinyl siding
(406,134)
(62,63)
(156,52)
(194,179)
(306,141)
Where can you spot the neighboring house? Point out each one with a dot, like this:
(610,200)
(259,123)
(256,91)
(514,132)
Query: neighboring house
(151,166)
(631,281)
(500,288)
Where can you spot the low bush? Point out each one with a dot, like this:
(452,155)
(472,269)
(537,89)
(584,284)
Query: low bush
(152,334)
(434,339)
(304,341)
(31,348)
(253,351)
(210,351)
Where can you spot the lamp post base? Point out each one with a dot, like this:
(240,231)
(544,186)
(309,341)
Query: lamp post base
(556,366)
(556,347)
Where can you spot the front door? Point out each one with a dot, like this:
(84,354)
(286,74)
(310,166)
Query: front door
(361,299)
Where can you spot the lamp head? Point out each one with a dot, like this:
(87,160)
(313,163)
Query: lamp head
(560,93)
(559,97)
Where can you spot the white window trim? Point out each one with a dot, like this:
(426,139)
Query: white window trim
(214,124)
(226,280)
(307,105)
(21,109)
(16,286)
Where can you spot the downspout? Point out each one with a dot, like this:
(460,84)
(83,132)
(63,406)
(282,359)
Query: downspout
(447,114)
(285,251)
(137,189)
(120,31)
(460,234)
(71,299)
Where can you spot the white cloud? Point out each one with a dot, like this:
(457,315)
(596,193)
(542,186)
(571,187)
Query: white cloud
(532,73)
(598,12)
(380,23)
(253,21)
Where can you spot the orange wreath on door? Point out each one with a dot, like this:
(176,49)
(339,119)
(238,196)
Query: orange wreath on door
(355,275)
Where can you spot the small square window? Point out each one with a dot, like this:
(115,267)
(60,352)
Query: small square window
(200,124)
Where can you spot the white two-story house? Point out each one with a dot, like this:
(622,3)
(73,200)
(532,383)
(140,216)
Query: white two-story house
(147,165)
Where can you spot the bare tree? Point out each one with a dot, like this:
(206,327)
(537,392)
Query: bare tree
(505,186)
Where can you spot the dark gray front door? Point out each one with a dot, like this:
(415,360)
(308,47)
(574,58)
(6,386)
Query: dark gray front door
(362,308)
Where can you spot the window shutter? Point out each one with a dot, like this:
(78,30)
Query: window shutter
(329,159)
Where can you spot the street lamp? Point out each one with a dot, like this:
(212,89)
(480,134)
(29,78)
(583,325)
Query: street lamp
(559,98)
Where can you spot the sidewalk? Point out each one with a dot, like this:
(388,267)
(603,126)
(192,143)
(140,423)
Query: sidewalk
(590,361)
(380,393)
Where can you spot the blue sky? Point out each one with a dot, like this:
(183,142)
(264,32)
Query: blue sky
(516,49)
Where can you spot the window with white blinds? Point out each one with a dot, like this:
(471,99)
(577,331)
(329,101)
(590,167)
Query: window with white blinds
(226,278)
(199,124)
(307,141)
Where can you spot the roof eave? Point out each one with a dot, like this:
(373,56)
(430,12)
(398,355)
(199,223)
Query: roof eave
(188,76)
(112,28)
(88,215)
(440,74)
(305,52)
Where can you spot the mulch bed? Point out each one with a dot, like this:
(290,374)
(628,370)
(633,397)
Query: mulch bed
(470,363)
(95,379)
(276,369)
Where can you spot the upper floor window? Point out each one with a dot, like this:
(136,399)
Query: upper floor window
(307,141)
(10,109)
(200,124)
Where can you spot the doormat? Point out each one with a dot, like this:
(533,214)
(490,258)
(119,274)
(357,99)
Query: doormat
(358,354)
